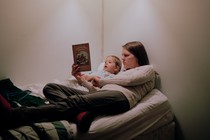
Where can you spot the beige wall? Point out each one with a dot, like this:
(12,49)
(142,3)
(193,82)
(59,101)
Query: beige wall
(176,35)
(36,37)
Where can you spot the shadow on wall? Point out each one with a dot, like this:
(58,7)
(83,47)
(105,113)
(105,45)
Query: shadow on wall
(178,131)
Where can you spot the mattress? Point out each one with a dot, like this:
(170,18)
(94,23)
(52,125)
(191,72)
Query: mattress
(150,114)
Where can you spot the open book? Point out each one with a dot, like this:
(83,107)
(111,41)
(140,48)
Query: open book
(81,54)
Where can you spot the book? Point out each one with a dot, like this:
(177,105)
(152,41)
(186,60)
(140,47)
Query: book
(81,55)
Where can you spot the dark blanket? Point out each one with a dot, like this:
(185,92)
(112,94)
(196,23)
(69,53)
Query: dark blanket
(16,97)
(45,131)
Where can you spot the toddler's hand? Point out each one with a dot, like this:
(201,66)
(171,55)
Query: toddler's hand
(95,81)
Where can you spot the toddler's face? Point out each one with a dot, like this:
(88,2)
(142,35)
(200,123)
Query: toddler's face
(110,65)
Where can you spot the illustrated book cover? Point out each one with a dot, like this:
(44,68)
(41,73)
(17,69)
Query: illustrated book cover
(81,55)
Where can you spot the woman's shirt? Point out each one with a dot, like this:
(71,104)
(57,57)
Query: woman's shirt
(134,83)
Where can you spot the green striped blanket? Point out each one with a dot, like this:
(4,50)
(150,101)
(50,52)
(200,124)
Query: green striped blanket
(57,130)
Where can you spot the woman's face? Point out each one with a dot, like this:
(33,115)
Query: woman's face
(129,60)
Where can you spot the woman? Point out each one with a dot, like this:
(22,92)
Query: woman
(116,95)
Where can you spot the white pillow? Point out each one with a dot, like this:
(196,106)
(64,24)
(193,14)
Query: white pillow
(101,66)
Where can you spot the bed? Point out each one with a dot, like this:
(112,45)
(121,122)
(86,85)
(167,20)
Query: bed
(151,119)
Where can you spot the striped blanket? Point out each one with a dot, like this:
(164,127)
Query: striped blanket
(57,130)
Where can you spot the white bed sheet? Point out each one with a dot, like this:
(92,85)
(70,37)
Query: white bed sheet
(152,112)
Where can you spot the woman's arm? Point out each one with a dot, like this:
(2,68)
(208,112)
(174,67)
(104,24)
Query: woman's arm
(89,86)
(132,77)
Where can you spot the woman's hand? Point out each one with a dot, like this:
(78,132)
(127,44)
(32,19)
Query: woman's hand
(76,72)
